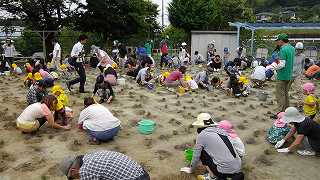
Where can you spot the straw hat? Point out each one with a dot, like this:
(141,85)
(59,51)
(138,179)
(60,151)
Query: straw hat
(204,120)
(280,122)
(293,115)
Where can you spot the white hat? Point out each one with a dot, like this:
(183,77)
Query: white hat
(93,47)
(299,45)
(293,115)
(54,75)
(204,120)
(183,44)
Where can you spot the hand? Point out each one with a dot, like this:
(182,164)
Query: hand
(279,143)
(186,170)
(67,127)
(284,150)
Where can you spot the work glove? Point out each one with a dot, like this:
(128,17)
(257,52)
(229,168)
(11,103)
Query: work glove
(186,170)
(279,143)
(284,150)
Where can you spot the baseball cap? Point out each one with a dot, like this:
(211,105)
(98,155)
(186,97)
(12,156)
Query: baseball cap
(282,37)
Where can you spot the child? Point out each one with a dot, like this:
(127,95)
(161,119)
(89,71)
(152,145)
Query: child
(28,68)
(110,75)
(310,103)
(278,130)
(61,109)
(105,89)
(245,86)
(28,81)
(16,70)
(202,79)
(144,76)
(216,82)
(235,140)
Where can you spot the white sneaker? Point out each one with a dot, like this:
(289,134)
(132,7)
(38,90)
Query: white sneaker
(205,177)
(306,153)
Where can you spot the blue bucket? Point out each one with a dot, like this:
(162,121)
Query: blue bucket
(146,126)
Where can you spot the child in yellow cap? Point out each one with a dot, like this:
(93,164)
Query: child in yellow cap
(61,109)
(245,86)
(28,80)
(28,68)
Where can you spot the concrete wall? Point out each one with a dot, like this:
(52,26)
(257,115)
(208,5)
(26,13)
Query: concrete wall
(201,39)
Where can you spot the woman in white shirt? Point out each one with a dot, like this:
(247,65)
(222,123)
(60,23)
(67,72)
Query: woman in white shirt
(98,121)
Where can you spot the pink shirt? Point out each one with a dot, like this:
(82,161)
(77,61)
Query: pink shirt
(174,76)
(104,58)
(45,74)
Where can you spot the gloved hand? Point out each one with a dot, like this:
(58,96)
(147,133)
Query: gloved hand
(279,143)
(186,170)
(284,150)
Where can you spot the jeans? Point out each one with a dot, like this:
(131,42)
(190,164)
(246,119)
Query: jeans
(306,144)
(145,176)
(282,94)
(104,135)
(82,76)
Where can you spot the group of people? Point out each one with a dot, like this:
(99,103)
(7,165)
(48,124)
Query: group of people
(218,146)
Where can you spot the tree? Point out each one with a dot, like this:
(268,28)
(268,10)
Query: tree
(208,14)
(117,18)
(176,35)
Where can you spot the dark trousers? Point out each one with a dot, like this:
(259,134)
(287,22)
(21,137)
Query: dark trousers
(145,176)
(82,76)
(4,62)
(101,68)
(163,60)
(207,161)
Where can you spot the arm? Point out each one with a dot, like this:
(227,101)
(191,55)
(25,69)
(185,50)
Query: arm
(96,87)
(196,153)
(53,124)
(290,134)
(296,143)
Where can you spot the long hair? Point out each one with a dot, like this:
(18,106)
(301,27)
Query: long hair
(88,101)
(49,101)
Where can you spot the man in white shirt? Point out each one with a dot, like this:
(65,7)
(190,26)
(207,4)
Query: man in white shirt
(9,51)
(56,54)
(77,56)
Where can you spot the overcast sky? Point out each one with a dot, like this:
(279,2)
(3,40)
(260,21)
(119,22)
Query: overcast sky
(166,21)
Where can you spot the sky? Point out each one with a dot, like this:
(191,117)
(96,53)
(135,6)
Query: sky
(166,2)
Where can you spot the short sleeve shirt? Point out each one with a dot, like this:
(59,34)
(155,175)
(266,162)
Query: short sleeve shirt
(287,53)
(311,130)
(174,76)
(33,112)
(309,110)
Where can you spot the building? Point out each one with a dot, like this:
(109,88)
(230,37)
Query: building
(264,17)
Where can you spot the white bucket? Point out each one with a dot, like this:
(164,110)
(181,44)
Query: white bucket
(121,81)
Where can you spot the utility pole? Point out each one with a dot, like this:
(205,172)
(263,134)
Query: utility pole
(162,14)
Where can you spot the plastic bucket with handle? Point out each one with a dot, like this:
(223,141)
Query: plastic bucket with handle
(146,126)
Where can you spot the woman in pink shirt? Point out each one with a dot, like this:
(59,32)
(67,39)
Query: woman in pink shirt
(175,78)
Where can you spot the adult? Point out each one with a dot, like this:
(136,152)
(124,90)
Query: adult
(56,54)
(313,71)
(36,92)
(103,57)
(258,76)
(202,79)
(215,64)
(148,46)
(215,150)
(198,58)
(37,114)
(103,165)
(183,54)
(307,133)
(144,76)
(284,71)
(164,48)
(298,68)
(122,55)
(98,121)
(9,51)
(175,78)
(77,56)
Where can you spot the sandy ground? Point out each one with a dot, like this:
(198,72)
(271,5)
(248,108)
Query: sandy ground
(37,156)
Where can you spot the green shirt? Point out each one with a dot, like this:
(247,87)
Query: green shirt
(148,47)
(287,53)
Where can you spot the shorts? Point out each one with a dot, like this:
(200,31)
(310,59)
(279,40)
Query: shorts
(27,126)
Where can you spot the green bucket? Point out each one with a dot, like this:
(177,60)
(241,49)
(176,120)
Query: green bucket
(146,126)
(188,153)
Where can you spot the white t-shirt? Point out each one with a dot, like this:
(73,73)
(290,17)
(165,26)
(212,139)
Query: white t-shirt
(9,50)
(259,73)
(96,117)
(77,50)
(56,51)
(33,112)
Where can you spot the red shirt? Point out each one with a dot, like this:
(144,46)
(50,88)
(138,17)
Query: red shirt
(174,76)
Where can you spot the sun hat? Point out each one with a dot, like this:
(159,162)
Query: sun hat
(66,164)
(280,122)
(299,45)
(227,126)
(37,76)
(183,44)
(309,87)
(29,75)
(292,115)
(282,37)
(204,120)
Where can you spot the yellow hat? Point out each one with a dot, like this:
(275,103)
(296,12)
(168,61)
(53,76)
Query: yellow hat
(57,88)
(63,66)
(187,78)
(165,74)
(29,75)
(114,66)
(244,80)
(37,76)
(14,65)
(181,90)
(59,106)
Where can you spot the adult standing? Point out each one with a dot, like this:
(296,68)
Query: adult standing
(103,165)
(122,55)
(77,55)
(284,69)
(103,57)
(9,51)
(298,69)
(56,54)
(164,50)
